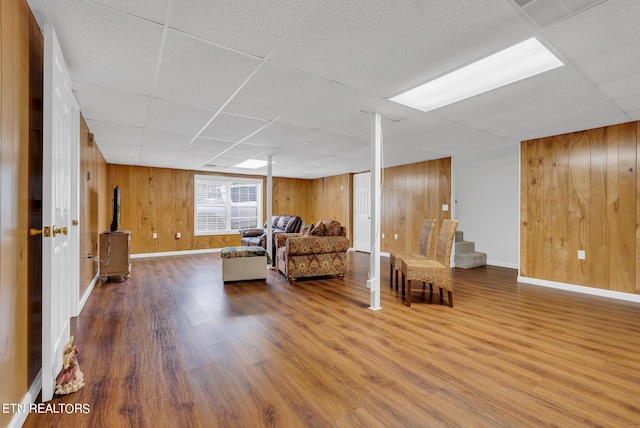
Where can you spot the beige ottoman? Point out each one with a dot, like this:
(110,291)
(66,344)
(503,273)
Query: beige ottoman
(244,263)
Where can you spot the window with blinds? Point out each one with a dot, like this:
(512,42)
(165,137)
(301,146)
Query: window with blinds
(226,204)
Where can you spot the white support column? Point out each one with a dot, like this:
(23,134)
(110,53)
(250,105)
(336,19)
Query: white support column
(374,262)
(269,207)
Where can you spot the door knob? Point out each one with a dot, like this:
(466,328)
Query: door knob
(57,230)
(46,231)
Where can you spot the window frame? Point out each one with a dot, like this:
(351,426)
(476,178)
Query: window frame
(229,182)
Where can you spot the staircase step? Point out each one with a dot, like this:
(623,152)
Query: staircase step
(459,236)
(470,260)
(464,247)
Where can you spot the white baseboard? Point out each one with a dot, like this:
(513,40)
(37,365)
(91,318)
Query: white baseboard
(502,264)
(87,293)
(175,253)
(581,289)
(20,417)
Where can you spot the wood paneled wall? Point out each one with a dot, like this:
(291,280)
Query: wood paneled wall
(580,191)
(17,31)
(410,194)
(332,199)
(158,200)
(291,196)
(161,200)
(93,216)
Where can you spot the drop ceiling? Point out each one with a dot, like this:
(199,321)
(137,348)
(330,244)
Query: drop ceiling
(204,84)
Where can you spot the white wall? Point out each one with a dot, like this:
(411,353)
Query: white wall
(487,202)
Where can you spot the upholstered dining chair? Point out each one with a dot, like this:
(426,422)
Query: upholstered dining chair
(435,272)
(426,250)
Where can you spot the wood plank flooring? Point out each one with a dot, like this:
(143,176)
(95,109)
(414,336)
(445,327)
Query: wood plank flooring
(175,347)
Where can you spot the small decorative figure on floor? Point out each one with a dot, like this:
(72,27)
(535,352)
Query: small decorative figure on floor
(70,379)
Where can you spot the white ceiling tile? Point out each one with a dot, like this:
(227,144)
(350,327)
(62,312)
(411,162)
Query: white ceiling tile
(334,64)
(337,35)
(470,142)
(464,32)
(150,154)
(230,161)
(108,148)
(602,51)
(245,151)
(392,110)
(280,135)
(620,88)
(274,90)
(357,126)
(177,118)
(328,142)
(301,157)
(209,146)
(153,10)
(232,127)
(104,47)
(591,32)
(200,74)
(558,93)
(630,103)
(111,105)
(634,115)
(121,160)
(232,23)
(190,160)
(423,124)
(336,102)
(165,140)
(114,133)
(619,63)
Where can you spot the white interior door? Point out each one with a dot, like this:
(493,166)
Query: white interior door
(74,213)
(56,207)
(362,212)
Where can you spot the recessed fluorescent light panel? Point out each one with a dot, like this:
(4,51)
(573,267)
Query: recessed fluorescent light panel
(516,63)
(251,164)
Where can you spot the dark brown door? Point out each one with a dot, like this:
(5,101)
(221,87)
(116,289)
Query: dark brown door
(36,59)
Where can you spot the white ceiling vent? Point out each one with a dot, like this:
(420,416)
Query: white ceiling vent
(548,12)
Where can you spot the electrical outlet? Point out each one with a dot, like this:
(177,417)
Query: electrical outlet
(382,235)
(155,235)
(395,236)
(581,255)
(178,235)
(445,207)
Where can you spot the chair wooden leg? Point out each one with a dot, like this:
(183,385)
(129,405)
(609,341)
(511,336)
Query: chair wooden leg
(450,299)
(441,296)
(408,299)
(403,281)
(396,281)
(391,275)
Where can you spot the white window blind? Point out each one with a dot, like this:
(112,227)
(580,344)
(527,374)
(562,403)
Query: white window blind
(226,204)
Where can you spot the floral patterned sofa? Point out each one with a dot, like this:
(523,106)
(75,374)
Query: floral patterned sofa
(319,251)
